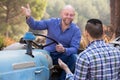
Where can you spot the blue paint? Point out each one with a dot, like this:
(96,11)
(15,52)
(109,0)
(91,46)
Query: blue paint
(38,72)
(29,36)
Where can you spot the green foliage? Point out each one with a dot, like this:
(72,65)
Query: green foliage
(54,7)
(12,21)
(38,8)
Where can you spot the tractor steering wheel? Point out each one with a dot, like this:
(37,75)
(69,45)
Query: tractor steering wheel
(42,46)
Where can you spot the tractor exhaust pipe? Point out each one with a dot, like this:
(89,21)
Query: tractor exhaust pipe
(29,37)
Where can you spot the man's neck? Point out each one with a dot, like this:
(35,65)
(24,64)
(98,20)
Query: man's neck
(94,39)
(64,27)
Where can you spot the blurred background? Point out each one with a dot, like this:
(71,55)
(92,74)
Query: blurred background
(13,24)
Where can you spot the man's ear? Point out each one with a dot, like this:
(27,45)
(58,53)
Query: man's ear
(86,33)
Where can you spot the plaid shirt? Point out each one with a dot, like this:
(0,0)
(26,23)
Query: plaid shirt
(98,62)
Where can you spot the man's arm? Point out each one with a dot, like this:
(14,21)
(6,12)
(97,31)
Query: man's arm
(81,69)
(69,75)
(35,25)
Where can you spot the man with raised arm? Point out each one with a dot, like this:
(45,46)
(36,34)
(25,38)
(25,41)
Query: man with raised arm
(64,31)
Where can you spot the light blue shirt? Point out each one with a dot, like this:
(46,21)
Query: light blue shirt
(70,38)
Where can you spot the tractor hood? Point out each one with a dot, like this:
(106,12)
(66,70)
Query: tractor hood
(17,65)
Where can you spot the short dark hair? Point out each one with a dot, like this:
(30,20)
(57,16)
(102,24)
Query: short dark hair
(95,28)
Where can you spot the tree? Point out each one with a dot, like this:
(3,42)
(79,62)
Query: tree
(54,7)
(12,22)
(115,13)
(103,9)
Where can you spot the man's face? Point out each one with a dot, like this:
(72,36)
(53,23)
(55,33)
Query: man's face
(67,16)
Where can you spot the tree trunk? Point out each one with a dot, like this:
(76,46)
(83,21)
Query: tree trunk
(115,14)
(112,7)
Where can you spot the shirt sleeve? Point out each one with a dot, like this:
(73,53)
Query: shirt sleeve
(75,43)
(69,76)
(37,25)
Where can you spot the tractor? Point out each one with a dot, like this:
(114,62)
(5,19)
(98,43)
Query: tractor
(28,61)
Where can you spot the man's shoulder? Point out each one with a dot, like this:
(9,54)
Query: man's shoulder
(84,56)
(54,19)
(84,53)
(75,26)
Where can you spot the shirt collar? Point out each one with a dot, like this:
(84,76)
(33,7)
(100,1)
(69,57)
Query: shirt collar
(96,42)
(60,23)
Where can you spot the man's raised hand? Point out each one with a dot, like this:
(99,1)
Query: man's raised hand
(26,10)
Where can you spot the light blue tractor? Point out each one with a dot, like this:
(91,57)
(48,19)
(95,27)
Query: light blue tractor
(24,62)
